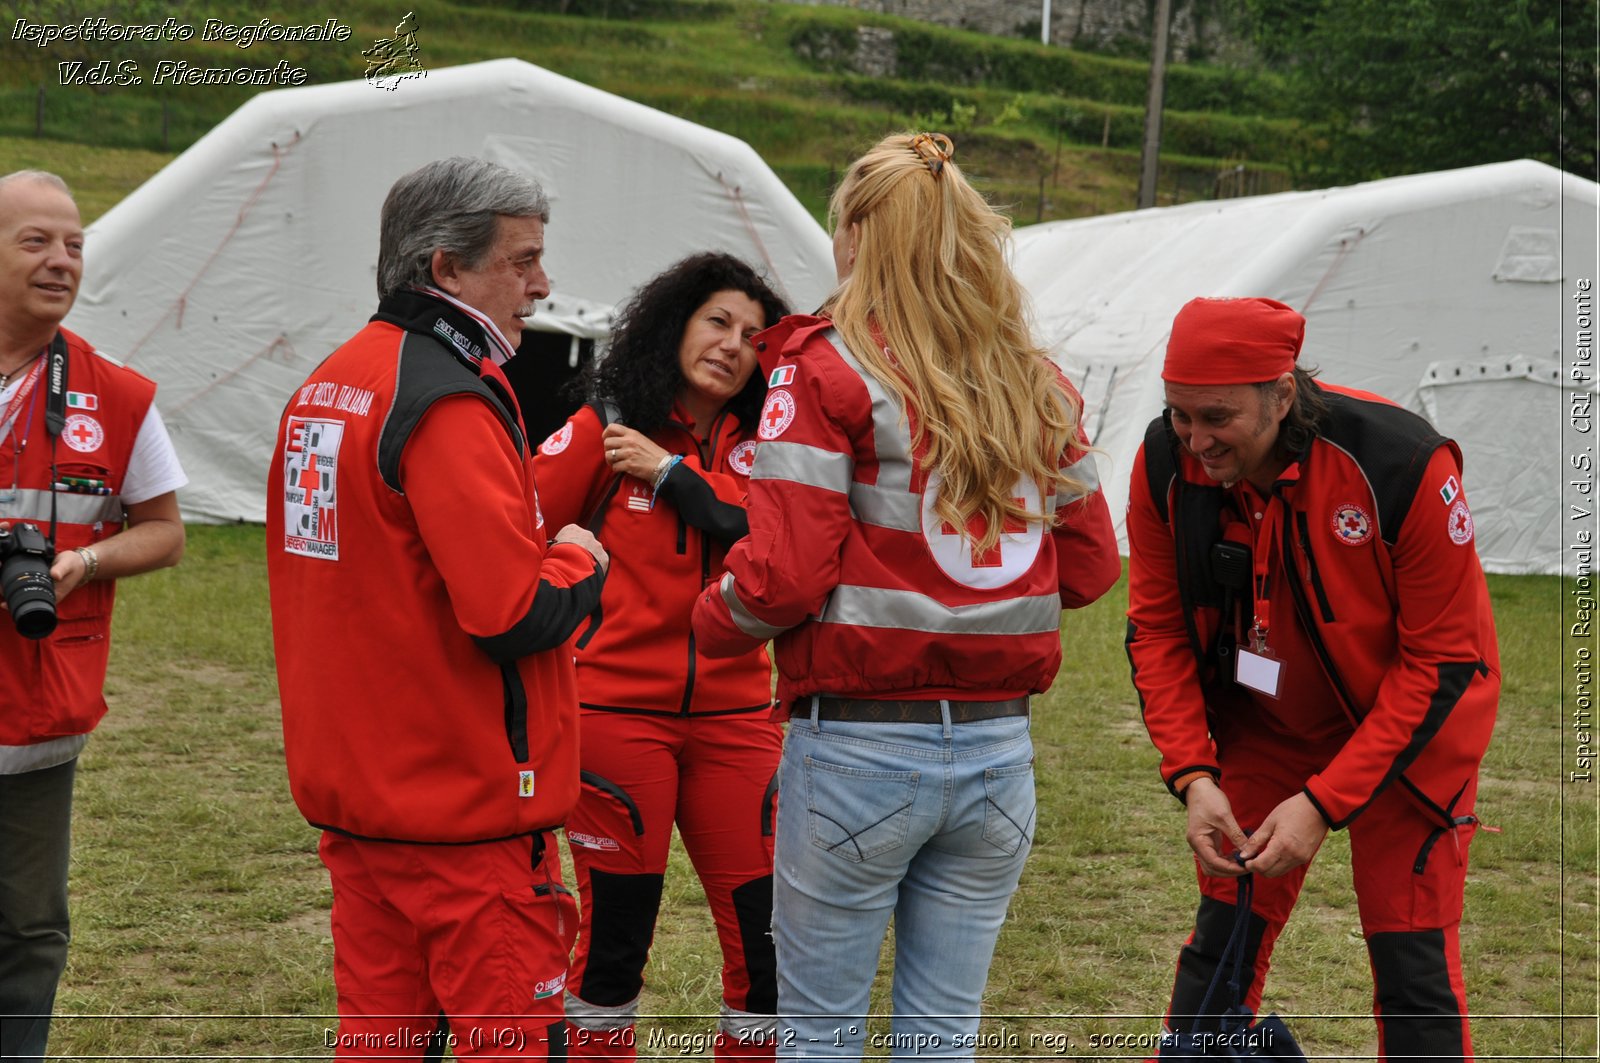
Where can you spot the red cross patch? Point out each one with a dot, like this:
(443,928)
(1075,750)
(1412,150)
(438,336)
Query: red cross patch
(558,441)
(83,433)
(1351,524)
(743,457)
(1460,523)
(777,415)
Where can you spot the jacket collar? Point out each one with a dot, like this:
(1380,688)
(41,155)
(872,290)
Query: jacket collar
(464,331)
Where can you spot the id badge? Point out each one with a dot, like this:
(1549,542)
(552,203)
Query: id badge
(1260,671)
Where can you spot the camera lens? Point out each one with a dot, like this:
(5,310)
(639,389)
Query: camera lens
(25,581)
(30,595)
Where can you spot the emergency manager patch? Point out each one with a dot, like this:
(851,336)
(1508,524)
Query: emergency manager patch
(310,479)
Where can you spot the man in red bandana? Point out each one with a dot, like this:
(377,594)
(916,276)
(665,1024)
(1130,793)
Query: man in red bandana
(1312,642)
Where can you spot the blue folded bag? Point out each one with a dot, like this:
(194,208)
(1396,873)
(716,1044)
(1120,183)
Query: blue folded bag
(1238,1035)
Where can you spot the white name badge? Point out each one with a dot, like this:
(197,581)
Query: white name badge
(1258,671)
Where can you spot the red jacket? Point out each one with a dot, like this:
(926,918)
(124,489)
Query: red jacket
(1386,585)
(421,626)
(866,592)
(53,685)
(664,551)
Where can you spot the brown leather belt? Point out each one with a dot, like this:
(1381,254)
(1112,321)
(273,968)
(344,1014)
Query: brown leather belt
(861,711)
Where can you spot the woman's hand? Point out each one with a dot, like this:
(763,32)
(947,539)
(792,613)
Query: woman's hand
(631,453)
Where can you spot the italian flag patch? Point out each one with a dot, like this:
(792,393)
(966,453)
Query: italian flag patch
(82,400)
(782,375)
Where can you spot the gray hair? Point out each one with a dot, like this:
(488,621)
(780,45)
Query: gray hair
(453,205)
(44,177)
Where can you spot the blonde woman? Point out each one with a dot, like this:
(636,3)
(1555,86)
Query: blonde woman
(922,507)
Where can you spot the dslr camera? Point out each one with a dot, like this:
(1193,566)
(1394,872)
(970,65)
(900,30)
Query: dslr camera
(30,593)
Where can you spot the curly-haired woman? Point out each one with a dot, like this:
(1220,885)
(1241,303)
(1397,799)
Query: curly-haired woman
(658,466)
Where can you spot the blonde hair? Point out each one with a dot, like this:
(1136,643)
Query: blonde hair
(930,284)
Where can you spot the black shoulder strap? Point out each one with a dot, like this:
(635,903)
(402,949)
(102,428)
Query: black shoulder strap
(1193,513)
(609,413)
(1160,461)
(1393,447)
(425,373)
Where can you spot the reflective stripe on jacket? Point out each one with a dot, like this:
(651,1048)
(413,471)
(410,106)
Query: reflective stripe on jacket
(866,590)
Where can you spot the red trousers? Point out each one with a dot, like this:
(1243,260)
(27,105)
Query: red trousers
(1409,874)
(478,932)
(714,776)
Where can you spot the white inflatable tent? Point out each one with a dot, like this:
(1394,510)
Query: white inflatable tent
(237,268)
(1445,292)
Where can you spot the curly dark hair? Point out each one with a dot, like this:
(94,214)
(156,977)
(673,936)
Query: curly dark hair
(640,371)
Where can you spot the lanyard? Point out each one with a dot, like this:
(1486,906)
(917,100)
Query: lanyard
(26,392)
(1265,533)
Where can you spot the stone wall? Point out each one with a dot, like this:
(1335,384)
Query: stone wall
(1200,28)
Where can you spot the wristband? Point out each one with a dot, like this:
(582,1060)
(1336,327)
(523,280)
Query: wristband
(91,562)
(662,472)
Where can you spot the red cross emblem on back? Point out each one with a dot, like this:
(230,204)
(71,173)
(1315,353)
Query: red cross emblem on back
(977,524)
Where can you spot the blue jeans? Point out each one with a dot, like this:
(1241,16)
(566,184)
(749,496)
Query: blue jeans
(928,823)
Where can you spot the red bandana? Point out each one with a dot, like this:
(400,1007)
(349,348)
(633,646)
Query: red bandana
(1232,341)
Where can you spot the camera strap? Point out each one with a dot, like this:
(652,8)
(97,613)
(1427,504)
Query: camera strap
(55,414)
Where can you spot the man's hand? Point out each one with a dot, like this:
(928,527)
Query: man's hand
(578,536)
(68,571)
(1213,833)
(1289,837)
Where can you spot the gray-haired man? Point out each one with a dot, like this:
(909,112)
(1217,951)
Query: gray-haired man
(421,626)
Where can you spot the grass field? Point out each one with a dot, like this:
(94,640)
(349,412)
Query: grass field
(201,909)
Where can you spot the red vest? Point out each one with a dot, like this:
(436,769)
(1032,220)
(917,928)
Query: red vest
(53,685)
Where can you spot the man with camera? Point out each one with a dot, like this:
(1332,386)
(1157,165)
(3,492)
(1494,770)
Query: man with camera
(422,622)
(1313,646)
(87,482)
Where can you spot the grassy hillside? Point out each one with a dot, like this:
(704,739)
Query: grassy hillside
(1051,132)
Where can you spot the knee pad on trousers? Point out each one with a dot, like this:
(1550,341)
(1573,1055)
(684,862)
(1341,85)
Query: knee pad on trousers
(622,922)
(1411,979)
(752,904)
(1197,965)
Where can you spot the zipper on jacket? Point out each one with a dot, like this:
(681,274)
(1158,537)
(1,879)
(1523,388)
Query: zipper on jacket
(516,711)
(1302,609)
(701,446)
(1311,568)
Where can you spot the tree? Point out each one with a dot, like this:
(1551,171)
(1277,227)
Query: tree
(1412,85)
